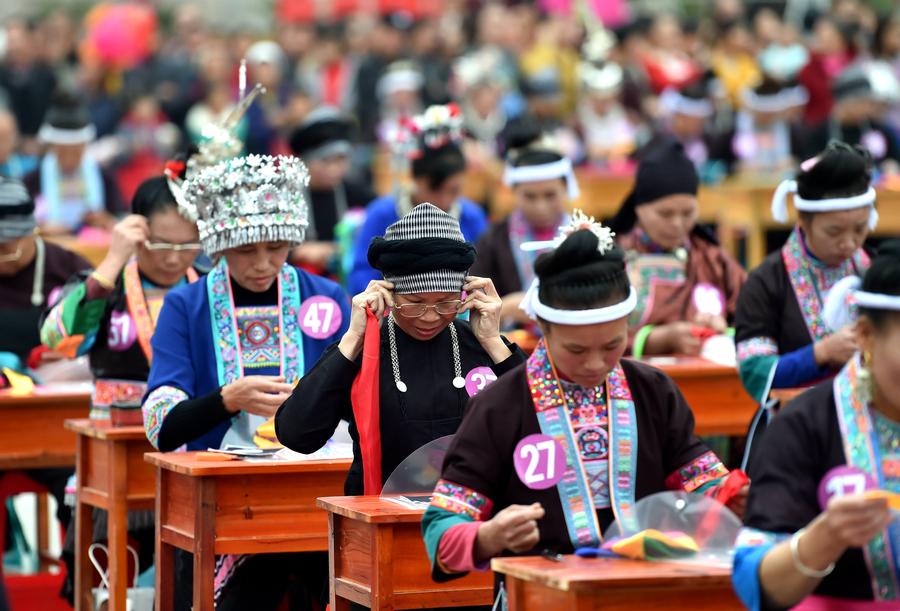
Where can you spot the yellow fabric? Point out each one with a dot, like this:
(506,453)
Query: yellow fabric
(736,73)
(265,437)
(565,61)
(20,385)
(638,545)
(892,497)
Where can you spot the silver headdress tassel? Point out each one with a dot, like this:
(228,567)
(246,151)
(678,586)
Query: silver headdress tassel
(220,142)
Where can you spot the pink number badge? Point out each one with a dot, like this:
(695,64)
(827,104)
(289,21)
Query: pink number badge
(122,332)
(842,481)
(320,317)
(540,462)
(708,299)
(478,379)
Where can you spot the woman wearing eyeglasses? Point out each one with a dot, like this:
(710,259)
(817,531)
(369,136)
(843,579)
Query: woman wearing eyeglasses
(110,313)
(422,364)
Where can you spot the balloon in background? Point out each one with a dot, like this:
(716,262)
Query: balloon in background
(120,36)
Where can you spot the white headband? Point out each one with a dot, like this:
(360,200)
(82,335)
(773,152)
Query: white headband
(673,101)
(531,305)
(845,296)
(789,187)
(784,99)
(58,135)
(545,171)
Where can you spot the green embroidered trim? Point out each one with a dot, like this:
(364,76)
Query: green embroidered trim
(756,373)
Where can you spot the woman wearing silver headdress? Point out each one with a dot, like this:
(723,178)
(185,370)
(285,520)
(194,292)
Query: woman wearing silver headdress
(229,347)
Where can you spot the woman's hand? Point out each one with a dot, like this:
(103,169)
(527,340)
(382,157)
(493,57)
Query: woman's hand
(711,321)
(514,528)
(837,348)
(127,236)
(853,520)
(259,395)
(673,338)
(738,503)
(378,297)
(484,306)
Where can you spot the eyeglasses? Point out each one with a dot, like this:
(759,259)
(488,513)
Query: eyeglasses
(415,310)
(161,246)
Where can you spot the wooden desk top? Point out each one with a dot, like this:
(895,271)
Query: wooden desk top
(104,429)
(186,463)
(50,394)
(690,367)
(575,573)
(369,509)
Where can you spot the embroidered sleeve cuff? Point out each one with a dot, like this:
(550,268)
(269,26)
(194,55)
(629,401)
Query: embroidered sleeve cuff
(695,474)
(461,500)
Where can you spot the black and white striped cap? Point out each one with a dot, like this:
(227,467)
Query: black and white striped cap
(16,210)
(427,222)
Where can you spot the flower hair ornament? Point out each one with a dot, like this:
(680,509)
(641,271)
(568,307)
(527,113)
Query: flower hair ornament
(531,302)
(434,128)
(220,142)
(578,221)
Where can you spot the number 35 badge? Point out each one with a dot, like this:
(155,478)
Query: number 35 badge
(540,462)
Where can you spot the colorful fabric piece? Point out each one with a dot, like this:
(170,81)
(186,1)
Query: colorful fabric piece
(72,324)
(521,232)
(861,450)
(461,501)
(65,200)
(652,544)
(811,280)
(157,404)
(574,489)
(701,471)
(258,331)
(647,273)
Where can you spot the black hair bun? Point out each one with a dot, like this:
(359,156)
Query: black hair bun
(842,170)
(889,249)
(577,275)
(884,275)
(523,144)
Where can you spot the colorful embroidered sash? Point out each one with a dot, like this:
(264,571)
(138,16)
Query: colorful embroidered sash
(227,345)
(519,233)
(861,451)
(812,280)
(574,489)
(144,320)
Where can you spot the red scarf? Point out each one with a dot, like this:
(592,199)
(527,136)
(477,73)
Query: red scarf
(364,396)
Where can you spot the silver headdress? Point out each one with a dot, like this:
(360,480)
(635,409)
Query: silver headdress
(219,143)
(247,200)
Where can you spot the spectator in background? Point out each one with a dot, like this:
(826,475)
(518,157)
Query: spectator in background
(438,171)
(329,77)
(480,84)
(387,44)
(105,109)
(686,115)
(856,119)
(57,36)
(426,51)
(665,62)
(28,81)
(70,189)
(608,133)
(299,41)
(833,49)
(400,97)
(785,56)
(733,61)
(629,51)
(323,142)
(554,51)
(267,116)
(766,137)
(12,164)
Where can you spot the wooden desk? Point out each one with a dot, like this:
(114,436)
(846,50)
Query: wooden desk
(377,558)
(535,583)
(236,507)
(91,252)
(33,435)
(720,404)
(112,475)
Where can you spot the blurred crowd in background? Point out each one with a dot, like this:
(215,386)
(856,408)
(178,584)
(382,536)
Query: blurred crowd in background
(748,87)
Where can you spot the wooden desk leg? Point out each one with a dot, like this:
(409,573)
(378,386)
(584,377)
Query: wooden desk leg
(165,553)
(205,544)
(382,577)
(84,530)
(336,604)
(43,532)
(117,527)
